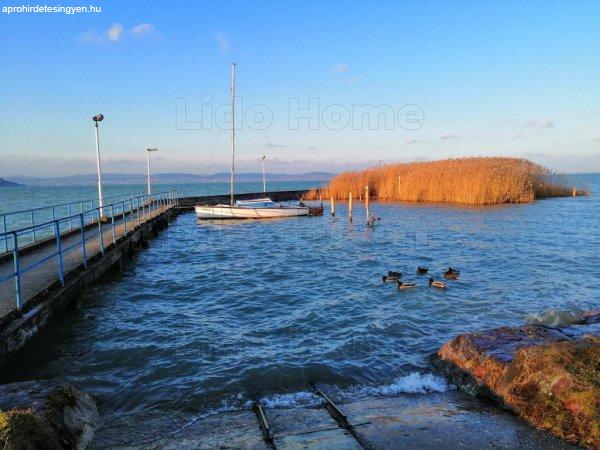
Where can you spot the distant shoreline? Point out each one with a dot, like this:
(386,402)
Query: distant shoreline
(173,178)
(6,183)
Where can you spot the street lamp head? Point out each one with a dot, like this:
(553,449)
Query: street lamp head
(151,149)
(98,118)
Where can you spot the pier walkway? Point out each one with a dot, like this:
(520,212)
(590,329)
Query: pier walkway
(27,268)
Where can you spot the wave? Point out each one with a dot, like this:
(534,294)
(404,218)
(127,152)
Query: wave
(556,318)
(413,383)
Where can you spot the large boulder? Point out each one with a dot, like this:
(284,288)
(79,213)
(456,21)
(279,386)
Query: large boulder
(43,414)
(549,376)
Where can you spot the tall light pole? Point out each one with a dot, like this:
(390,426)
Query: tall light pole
(98,118)
(264,179)
(148,150)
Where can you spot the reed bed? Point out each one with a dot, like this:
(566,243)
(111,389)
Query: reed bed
(472,181)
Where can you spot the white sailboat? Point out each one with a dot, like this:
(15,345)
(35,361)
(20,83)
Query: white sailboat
(260,208)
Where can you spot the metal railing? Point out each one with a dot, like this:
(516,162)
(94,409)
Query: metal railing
(15,220)
(93,223)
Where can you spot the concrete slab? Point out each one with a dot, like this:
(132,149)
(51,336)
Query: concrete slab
(450,420)
(229,430)
(301,428)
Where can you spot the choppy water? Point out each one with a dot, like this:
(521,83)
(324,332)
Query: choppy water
(216,314)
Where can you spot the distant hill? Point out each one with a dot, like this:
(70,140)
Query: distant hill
(129,178)
(5,183)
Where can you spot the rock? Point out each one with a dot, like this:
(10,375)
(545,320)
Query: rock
(43,414)
(548,376)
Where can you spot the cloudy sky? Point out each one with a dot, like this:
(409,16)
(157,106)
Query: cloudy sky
(321,85)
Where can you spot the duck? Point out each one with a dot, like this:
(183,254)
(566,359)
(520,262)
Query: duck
(422,270)
(404,285)
(391,273)
(452,274)
(390,278)
(437,284)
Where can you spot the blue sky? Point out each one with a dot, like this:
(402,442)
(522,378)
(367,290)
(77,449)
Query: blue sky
(509,78)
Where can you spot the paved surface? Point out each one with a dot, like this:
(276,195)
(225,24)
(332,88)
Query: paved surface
(450,420)
(42,277)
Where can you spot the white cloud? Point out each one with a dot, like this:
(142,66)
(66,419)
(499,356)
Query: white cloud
(115,32)
(540,124)
(90,37)
(447,137)
(146,31)
(223,41)
(411,141)
(597,138)
(339,68)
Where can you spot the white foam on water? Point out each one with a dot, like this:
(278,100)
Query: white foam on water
(556,318)
(413,383)
(301,398)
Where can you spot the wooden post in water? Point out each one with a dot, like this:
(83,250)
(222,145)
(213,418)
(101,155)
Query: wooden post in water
(350,206)
(367,201)
(332,206)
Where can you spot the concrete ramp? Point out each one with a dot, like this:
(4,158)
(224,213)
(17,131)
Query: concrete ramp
(411,421)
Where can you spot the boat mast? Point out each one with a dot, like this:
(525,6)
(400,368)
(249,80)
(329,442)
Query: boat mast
(232,129)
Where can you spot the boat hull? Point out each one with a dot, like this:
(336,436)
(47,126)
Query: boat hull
(236,212)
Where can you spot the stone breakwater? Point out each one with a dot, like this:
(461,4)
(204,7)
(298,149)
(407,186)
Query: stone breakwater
(548,376)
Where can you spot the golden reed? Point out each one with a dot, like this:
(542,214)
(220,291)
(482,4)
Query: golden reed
(472,181)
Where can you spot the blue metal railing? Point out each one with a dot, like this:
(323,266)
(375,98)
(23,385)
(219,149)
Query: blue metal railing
(129,213)
(15,220)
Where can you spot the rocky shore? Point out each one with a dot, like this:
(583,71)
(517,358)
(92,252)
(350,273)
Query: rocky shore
(548,376)
(49,415)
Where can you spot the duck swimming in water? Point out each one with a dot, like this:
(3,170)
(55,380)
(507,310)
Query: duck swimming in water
(390,278)
(437,284)
(404,285)
(451,274)
(422,270)
(391,273)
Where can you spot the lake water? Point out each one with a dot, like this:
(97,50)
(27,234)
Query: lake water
(215,314)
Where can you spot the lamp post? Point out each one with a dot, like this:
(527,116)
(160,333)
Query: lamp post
(264,179)
(98,118)
(148,150)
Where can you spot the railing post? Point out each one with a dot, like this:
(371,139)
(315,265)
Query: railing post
(59,260)
(100,236)
(112,221)
(32,224)
(5,231)
(17,268)
(83,252)
(70,214)
(124,216)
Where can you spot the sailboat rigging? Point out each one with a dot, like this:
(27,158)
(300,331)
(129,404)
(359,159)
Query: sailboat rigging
(260,208)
